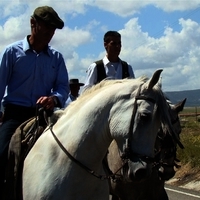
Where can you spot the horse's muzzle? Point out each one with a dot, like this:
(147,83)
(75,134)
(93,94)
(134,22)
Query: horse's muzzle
(137,170)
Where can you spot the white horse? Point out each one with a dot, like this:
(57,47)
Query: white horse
(66,161)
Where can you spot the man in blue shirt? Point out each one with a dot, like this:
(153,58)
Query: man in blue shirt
(31,73)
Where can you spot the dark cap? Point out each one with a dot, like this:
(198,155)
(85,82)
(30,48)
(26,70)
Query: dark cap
(49,16)
(75,82)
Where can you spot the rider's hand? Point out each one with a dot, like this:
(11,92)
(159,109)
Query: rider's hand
(47,102)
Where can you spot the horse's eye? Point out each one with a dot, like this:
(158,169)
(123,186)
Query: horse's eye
(145,116)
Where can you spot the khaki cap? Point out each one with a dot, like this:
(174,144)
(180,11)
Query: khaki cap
(49,16)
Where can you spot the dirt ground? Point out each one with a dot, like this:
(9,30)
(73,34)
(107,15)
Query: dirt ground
(186,177)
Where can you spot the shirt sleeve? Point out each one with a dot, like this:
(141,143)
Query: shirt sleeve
(91,76)
(61,87)
(5,73)
(68,101)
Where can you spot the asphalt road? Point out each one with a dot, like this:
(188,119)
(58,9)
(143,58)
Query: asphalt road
(177,193)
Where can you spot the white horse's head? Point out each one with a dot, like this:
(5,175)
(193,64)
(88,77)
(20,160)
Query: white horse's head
(137,117)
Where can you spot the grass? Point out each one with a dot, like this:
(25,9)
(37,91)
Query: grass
(190,138)
(189,156)
(191,110)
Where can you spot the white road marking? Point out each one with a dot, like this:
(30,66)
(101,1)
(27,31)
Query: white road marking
(185,193)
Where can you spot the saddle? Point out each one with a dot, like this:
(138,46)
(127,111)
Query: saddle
(21,143)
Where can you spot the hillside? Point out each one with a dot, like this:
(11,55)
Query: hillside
(193,97)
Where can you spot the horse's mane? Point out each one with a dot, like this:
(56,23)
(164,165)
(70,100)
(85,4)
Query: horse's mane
(105,82)
(90,91)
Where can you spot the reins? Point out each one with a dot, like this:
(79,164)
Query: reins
(101,177)
(49,126)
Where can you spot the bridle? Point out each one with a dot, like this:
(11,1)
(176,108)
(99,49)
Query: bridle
(169,151)
(166,150)
(127,150)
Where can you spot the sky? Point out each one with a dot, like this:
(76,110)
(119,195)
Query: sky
(156,34)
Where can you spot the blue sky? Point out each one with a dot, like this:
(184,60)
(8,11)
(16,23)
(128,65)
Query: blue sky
(155,34)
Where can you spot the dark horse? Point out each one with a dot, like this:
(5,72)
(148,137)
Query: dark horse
(165,164)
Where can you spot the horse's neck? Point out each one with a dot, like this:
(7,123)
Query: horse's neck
(86,142)
(85,126)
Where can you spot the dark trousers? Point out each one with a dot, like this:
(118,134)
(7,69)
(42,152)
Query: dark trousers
(7,129)
(14,116)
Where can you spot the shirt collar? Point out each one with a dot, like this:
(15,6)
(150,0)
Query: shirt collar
(106,61)
(26,46)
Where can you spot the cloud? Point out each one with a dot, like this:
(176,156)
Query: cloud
(174,50)
(128,8)
(179,5)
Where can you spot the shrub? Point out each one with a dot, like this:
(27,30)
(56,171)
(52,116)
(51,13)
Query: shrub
(190,138)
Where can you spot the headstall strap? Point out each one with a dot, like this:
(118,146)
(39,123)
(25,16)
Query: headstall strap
(127,150)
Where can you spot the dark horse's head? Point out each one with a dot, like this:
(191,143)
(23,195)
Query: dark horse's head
(166,146)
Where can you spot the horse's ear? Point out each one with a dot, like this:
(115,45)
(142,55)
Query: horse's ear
(154,79)
(179,106)
(160,82)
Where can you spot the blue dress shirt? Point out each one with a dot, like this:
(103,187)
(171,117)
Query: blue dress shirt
(26,75)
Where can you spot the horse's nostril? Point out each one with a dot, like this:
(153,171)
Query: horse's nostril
(142,174)
(165,173)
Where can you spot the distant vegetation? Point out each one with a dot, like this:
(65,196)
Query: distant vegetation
(193,97)
(190,137)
